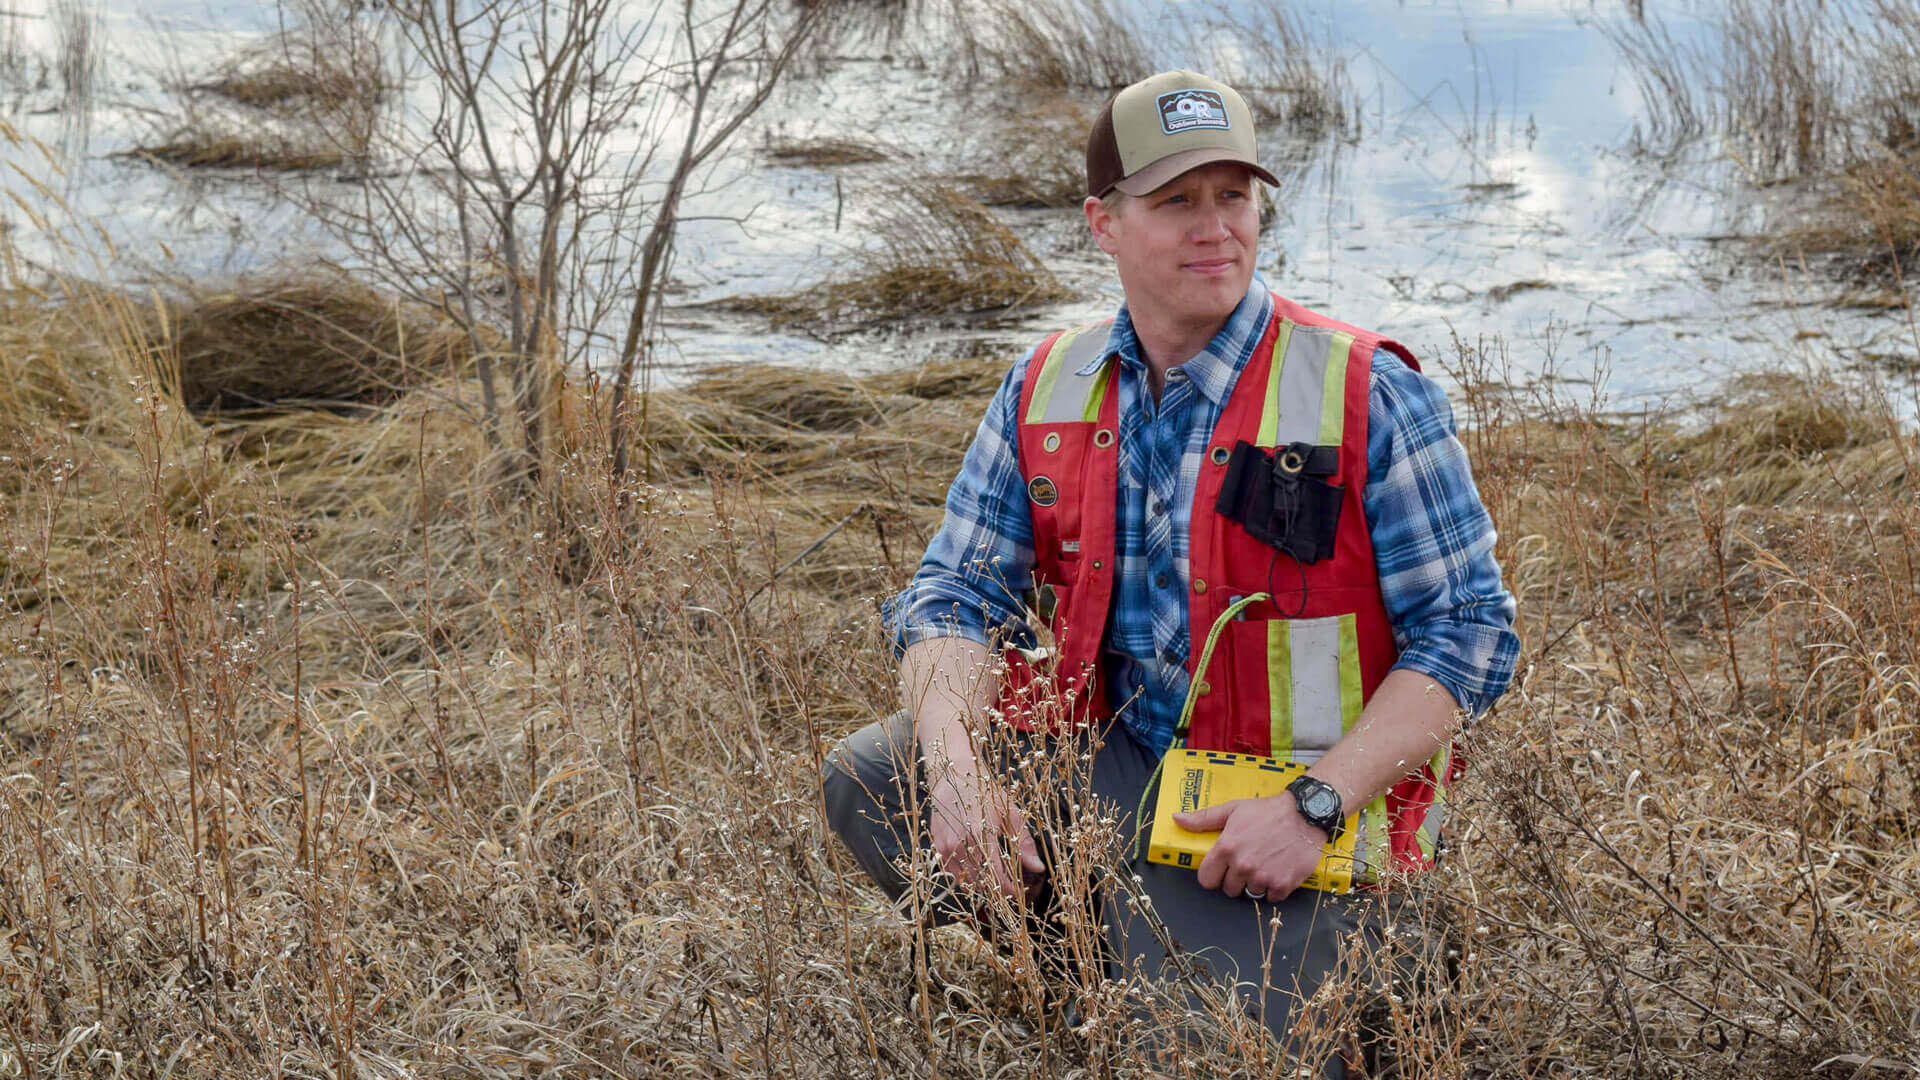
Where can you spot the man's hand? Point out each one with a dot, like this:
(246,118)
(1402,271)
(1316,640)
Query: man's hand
(1265,846)
(973,819)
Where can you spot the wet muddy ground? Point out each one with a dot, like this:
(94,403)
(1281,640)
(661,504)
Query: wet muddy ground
(1484,185)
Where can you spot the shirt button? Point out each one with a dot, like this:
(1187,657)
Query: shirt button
(1177,374)
(1161,582)
(1170,655)
(1159,506)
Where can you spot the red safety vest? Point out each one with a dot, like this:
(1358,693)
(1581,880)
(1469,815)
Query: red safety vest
(1290,674)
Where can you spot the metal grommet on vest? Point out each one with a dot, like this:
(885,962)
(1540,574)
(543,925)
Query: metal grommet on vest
(1291,462)
(1220,455)
(1103,438)
(1051,442)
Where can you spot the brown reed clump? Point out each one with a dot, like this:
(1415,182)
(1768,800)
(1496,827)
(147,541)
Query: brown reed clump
(319,755)
(304,342)
(939,252)
(1039,151)
(825,151)
(301,100)
(275,152)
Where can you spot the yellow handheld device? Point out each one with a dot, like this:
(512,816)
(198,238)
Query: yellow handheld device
(1196,779)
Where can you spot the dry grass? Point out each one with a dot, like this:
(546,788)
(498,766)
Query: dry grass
(192,149)
(824,151)
(318,756)
(1695,850)
(305,99)
(1055,44)
(1047,48)
(939,252)
(1041,146)
(1797,89)
(303,342)
(1822,93)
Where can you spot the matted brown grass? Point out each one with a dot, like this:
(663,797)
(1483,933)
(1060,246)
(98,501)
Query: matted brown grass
(825,150)
(939,252)
(320,754)
(303,342)
(271,151)
(304,99)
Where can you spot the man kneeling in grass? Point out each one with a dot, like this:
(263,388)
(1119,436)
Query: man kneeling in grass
(1236,526)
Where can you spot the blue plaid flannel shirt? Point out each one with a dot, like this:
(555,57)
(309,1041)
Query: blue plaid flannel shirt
(1432,539)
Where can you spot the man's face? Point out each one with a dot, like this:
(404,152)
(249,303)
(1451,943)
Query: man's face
(1185,251)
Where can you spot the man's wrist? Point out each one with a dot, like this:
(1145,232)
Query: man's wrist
(1319,805)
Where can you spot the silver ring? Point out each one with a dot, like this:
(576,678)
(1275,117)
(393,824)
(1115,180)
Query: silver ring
(1251,895)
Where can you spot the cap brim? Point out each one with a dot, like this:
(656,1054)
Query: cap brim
(1171,167)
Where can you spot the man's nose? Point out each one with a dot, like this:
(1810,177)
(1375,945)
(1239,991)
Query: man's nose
(1211,226)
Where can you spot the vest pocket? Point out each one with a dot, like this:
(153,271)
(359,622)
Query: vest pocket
(1301,676)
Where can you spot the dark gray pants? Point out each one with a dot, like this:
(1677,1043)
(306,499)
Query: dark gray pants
(1274,954)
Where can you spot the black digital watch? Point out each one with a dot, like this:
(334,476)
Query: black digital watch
(1320,805)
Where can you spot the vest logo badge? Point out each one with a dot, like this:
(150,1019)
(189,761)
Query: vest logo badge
(1042,492)
(1189,110)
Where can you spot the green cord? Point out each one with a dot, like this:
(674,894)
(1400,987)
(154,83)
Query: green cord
(1186,711)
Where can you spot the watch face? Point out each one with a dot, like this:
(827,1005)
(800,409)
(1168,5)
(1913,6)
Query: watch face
(1322,803)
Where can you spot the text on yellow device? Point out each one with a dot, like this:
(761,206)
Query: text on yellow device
(1196,779)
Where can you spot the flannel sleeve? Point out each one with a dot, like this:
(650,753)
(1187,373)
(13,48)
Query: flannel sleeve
(1433,541)
(970,580)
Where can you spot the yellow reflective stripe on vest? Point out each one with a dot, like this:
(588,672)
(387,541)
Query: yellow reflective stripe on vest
(1270,416)
(1428,834)
(1060,394)
(1351,692)
(1333,391)
(1306,387)
(1096,392)
(1050,366)
(1279,689)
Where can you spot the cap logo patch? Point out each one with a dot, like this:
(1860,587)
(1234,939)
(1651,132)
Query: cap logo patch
(1186,110)
(1042,491)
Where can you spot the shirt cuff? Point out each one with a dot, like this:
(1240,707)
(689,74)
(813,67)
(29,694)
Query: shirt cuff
(910,620)
(1474,661)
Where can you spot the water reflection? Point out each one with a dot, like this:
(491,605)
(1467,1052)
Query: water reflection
(1487,184)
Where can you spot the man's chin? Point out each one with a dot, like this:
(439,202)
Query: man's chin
(1218,298)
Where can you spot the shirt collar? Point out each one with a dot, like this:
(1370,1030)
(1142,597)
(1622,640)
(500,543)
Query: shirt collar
(1214,368)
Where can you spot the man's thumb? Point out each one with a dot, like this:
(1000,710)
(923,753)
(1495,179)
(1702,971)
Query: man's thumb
(1208,819)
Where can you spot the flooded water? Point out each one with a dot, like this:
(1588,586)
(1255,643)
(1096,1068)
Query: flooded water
(1490,193)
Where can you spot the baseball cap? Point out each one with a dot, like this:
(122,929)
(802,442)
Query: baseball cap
(1163,126)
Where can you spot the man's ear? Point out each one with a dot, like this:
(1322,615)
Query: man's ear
(1103,223)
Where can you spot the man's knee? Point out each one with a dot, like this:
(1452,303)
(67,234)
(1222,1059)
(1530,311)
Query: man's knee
(862,771)
(839,783)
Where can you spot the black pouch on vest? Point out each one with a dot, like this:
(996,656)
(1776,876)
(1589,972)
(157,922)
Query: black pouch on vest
(1281,498)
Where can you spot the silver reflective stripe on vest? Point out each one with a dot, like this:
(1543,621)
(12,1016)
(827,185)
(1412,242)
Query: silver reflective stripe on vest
(1314,649)
(1306,386)
(1062,395)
